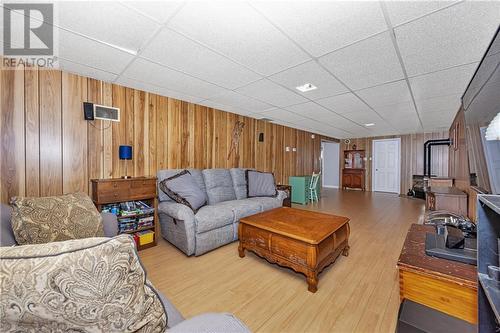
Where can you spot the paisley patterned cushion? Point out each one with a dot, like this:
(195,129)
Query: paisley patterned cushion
(51,219)
(88,285)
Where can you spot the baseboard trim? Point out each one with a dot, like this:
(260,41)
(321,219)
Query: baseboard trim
(330,186)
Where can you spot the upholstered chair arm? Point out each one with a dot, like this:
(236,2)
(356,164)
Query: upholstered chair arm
(6,234)
(209,323)
(110,224)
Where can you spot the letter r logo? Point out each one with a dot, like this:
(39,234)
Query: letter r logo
(28,29)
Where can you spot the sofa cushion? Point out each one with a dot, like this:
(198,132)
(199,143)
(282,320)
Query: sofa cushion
(219,185)
(239,182)
(212,217)
(267,203)
(87,285)
(241,208)
(51,219)
(166,173)
(182,188)
(260,184)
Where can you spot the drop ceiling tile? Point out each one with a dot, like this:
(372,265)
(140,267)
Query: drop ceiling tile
(399,109)
(146,71)
(364,117)
(320,27)
(223,107)
(107,21)
(238,31)
(445,82)
(453,36)
(241,101)
(310,110)
(441,104)
(310,72)
(93,54)
(157,90)
(94,73)
(403,11)
(367,63)
(344,103)
(178,52)
(404,120)
(283,115)
(271,93)
(386,94)
(158,10)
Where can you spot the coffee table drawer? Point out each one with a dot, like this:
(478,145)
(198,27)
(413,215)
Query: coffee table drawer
(292,250)
(255,236)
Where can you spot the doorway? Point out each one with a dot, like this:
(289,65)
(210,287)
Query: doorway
(330,157)
(386,165)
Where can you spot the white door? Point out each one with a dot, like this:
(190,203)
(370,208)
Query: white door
(330,152)
(386,165)
(492,154)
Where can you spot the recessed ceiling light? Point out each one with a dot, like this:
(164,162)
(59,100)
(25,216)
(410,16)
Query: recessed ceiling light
(369,124)
(306,87)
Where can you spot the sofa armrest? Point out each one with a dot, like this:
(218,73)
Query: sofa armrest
(176,210)
(110,224)
(210,323)
(177,224)
(282,195)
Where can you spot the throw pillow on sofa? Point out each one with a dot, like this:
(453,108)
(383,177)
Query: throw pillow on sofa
(85,285)
(183,189)
(52,219)
(260,184)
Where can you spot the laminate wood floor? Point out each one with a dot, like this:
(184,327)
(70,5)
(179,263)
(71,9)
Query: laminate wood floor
(359,293)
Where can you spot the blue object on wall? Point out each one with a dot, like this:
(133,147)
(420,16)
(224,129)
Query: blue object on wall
(125,152)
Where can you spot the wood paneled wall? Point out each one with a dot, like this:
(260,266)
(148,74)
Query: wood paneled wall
(47,148)
(458,166)
(412,156)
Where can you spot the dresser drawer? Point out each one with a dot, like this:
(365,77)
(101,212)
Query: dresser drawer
(143,188)
(114,196)
(106,192)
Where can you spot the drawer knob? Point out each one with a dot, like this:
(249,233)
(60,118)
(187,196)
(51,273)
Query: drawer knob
(116,194)
(115,185)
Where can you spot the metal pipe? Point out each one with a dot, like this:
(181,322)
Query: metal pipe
(427,153)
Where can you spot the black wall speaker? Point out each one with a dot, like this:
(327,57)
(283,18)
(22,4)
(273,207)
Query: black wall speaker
(88,111)
(261,137)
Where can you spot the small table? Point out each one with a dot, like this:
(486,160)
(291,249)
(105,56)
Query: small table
(444,285)
(287,202)
(302,240)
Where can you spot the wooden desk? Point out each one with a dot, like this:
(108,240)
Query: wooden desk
(445,285)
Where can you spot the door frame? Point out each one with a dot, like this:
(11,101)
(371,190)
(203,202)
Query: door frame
(398,140)
(323,164)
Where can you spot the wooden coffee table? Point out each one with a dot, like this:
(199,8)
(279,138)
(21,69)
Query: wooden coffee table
(302,240)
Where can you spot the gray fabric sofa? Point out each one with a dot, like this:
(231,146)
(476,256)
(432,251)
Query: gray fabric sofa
(207,322)
(215,224)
